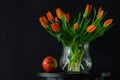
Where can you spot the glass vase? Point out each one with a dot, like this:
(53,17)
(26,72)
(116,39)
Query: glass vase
(76,58)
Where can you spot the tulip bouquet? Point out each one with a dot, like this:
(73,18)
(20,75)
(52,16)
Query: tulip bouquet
(83,29)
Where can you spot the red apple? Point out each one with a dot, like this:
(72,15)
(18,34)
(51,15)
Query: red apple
(49,64)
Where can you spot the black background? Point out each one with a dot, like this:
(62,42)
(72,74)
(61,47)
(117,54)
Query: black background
(24,42)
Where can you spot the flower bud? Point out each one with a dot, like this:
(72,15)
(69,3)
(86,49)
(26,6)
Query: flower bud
(56,19)
(67,17)
(44,24)
(55,27)
(87,10)
(50,16)
(76,26)
(43,19)
(90,28)
(100,12)
(59,13)
(107,22)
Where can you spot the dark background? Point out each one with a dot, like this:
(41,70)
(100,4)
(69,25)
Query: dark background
(24,43)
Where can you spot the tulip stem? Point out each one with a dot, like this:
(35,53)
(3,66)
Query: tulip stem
(65,65)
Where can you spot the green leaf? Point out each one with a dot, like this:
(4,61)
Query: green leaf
(94,16)
(52,33)
(85,24)
(105,30)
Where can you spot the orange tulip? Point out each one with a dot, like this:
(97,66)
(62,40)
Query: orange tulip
(87,10)
(67,16)
(100,13)
(107,22)
(55,27)
(50,16)
(56,19)
(59,13)
(76,26)
(44,24)
(43,19)
(90,28)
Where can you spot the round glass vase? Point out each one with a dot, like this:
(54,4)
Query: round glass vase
(76,58)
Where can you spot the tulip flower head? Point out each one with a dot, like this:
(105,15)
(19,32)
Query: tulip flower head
(100,13)
(107,22)
(55,27)
(67,16)
(59,13)
(50,16)
(90,28)
(75,26)
(87,10)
